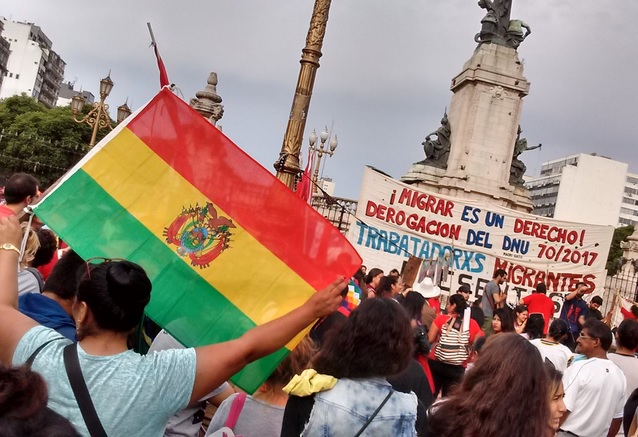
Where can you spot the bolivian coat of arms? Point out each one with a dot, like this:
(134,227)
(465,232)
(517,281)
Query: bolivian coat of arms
(199,233)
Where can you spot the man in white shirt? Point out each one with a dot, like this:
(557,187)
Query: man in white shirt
(594,388)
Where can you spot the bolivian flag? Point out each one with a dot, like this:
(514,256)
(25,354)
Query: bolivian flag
(226,244)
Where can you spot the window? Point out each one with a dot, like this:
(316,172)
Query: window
(10,74)
(17,76)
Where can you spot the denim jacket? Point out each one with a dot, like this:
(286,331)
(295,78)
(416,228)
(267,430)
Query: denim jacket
(343,410)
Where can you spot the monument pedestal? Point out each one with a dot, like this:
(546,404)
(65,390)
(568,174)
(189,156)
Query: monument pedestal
(484,116)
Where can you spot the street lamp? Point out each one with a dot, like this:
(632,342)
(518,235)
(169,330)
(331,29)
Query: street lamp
(98,116)
(321,150)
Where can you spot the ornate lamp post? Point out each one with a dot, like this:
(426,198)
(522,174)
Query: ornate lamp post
(287,165)
(321,150)
(98,116)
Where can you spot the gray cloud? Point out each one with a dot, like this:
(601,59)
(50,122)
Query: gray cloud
(385,72)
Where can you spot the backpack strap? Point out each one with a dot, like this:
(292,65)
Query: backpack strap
(81,392)
(235,410)
(38,276)
(365,425)
(35,353)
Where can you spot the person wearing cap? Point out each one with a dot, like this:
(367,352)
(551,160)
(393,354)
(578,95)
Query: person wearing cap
(539,302)
(465,291)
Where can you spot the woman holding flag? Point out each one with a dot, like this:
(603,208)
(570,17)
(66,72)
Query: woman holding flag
(114,391)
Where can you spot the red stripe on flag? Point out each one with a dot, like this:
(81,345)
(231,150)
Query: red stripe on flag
(247,192)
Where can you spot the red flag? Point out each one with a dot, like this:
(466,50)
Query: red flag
(304,187)
(160,64)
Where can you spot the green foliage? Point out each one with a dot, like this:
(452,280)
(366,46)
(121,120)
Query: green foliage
(615,252)
(40,141)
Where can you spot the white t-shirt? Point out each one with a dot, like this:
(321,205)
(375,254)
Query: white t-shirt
(594,395)
(188,421)
(133,395)
(557,353)
(629,366)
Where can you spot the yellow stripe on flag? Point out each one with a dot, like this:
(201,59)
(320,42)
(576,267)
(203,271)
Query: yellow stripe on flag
(125,164)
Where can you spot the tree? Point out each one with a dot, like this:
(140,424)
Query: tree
(615,252)
(40,141)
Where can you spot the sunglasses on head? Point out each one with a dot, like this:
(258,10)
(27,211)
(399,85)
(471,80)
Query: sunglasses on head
(98,260)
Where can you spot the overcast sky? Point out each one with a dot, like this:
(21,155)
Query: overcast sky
(384,77)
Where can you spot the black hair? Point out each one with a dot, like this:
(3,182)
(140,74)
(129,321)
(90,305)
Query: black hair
(384,289)
(499,272)
(23,406)
(507,319)
(117,293)
(19,186)
(372,273)
(541,288)
(48,246)
(597,300)
(479,343)
(459,301)
(558,329)
(394,272)
(65,276)
(534,326)
(413,304)
(520,309)
(599,330)
(628,334)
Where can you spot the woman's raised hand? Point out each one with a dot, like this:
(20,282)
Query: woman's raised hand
(327,300)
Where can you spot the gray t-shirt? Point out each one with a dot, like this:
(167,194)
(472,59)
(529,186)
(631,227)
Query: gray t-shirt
(487,303)
(133,395)
(256,418)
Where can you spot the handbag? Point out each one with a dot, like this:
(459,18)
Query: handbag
(453,346)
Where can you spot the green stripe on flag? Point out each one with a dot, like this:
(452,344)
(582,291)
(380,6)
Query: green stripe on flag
(99,226)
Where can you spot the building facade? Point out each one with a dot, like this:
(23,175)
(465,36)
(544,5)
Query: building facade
(5,50)
(67,92)
(33,68)
(629,207)
(583,188)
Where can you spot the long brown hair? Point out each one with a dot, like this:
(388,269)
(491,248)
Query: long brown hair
(505,392)
(376,340)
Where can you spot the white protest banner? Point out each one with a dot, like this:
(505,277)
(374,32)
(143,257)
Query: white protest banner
(396,220)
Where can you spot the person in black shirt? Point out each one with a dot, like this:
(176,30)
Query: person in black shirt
(592,310)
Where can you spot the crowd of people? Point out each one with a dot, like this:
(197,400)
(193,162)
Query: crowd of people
(409,360)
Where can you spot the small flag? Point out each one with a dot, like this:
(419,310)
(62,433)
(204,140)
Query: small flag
(160,64)
(304,187)
(226,245)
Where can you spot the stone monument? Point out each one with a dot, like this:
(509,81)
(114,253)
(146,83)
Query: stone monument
(481,159)
(208,102)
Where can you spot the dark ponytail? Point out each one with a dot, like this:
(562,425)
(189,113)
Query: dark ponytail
(459,301)
(117,293)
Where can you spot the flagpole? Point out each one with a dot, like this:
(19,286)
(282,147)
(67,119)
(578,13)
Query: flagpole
(287,165)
